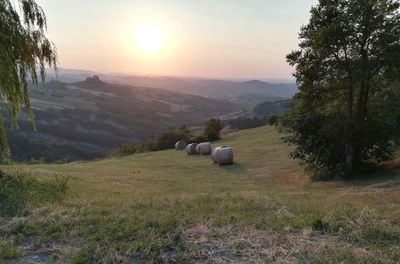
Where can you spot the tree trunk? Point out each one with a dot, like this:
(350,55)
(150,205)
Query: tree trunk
(349,147)
(349,151)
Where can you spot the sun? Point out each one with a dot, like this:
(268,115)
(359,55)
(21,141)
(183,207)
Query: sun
(149,39)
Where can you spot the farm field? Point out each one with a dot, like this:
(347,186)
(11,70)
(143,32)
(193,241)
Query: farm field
(167,207)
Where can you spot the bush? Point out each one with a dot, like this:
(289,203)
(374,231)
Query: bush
(273,120)
(19,188)
(169,138)
(128,149)
(212,129)
(199,139)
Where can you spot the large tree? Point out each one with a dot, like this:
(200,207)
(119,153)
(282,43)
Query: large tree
(24,53)
(347,69)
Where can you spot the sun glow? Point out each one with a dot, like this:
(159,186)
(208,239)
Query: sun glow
(149,39)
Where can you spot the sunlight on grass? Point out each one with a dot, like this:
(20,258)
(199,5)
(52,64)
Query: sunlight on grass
(151,206)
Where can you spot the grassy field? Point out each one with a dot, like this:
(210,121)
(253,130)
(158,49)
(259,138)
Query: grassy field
(167,207)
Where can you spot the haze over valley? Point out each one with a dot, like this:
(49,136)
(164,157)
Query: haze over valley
(79,116)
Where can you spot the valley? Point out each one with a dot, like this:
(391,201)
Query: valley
(84,120)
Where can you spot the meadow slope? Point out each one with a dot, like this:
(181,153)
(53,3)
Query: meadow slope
(167,207)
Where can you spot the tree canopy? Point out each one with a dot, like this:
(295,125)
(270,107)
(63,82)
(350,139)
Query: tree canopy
(212,129)
(25,52)
(348,72)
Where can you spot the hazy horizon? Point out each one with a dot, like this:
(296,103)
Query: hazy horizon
(218,40)
(119,74)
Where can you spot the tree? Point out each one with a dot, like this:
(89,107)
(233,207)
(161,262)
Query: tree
(212,129)
(273,120)
(168,139)
(347,63)
(24,53)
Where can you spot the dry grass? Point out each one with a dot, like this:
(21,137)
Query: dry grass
(249,245)
(168,207)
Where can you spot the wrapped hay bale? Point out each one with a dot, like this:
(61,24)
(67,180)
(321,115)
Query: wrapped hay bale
(223,156)
(214,155)
(204,148)
(180,145)
(191,149)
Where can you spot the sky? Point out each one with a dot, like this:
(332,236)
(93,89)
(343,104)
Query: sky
(246,39)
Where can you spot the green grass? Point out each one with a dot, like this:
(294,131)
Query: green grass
(17,189)
(170,207)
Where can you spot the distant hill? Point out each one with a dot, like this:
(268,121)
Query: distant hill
(244,93)
(255,116)
(87,119)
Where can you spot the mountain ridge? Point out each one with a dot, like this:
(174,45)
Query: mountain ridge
(245,93)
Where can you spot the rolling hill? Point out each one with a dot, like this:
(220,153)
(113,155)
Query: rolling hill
(167,207)
(88,119)
(243,93)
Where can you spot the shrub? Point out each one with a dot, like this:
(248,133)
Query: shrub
(199,139)
(169,138)
(273,120)
(19,188)
(212,129)
(128,149)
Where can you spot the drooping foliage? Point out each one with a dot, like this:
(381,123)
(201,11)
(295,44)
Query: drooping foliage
(348,72)
(25,52)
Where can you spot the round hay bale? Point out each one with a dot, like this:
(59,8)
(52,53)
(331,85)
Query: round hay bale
(180,145)
(205,148)
(223,156)
(214,155)
(191,149)
(198,149)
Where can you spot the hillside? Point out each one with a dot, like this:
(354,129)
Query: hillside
(167,207)
(256,116)
(244,93)
(88,119)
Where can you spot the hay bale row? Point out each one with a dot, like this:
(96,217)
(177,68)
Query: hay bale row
(222,155)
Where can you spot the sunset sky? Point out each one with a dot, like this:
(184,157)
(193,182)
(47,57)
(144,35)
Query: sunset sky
(204,38)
